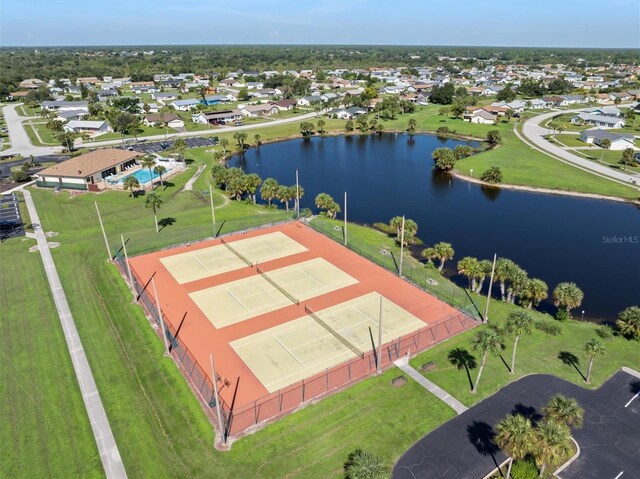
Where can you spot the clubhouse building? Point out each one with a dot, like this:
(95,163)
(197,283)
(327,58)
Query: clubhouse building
(89,171)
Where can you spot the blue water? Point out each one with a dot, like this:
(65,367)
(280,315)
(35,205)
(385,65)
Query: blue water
(143,176)
(594,243)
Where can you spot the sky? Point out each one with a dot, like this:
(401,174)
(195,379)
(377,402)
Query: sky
(529,23)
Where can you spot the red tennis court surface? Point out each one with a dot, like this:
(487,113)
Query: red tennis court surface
(275,351)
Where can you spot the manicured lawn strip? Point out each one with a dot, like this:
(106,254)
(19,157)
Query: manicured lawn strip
(48,136)
(537,353)
(45,429)
(519,163)
(572,140)
(29,128)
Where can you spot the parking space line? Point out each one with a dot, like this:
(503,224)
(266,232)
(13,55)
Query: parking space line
(631,400)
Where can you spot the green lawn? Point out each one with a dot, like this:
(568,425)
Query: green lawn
(570,140)
(48,137)
(24,110)
(537,353)
(45,430)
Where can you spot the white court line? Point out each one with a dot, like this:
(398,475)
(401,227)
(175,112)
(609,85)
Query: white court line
(237,300)
(631,400)
(621,473)
(289,351)
(200,262)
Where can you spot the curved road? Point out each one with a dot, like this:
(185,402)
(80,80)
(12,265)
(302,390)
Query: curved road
(20,142)
(533,134)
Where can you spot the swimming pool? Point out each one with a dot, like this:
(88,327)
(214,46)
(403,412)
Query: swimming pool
(143,176)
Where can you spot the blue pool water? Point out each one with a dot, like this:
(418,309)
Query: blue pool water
(143,176)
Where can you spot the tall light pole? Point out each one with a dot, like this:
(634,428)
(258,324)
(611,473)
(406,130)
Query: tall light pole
(401,246)
(297,196)
(486,306)
(213,211)
(126,260)
(380,337)
(214,380)
(104,234)
(159,311)
(345,218)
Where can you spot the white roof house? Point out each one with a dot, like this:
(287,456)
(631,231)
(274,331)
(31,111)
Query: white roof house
(87,126)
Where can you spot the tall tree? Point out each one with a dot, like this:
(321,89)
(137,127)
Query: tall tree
(410,229)
(252,183)
(486,340)
(240,137)
(269,190)
(306,129)
(593,348)
(567,295)
(470,267)
(153,201)
(444,159)
(519,323)
(328,204)
(148,163)
(411,128)
(160,170)
(534,292)
(515,436)
(504,269)
(131,183)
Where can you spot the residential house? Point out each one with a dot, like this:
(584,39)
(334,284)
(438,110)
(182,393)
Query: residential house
(573,99)
(64,105)
(285,105)
(603,121)
(185,105)
(618,141)
(224,117)
(65,116)
(620,96)
(555,101)
(254,111)
(159,119)
(88,171)
(104,95)
(348,113)
(264,93)
(31,83)
(307,100)
(86,126)
(152,107)
(254,85)
(163,97)
(87,81)
(215,99)
(479,115)
(537,104)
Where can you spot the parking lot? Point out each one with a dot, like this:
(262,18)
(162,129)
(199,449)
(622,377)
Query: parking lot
(10,220)
(160,146)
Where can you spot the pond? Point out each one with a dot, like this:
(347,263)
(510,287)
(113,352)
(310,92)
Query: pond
(594,243)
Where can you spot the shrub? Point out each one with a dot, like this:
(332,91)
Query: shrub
(548,327)
(364,465)
(562,315)
(443,130)
(492,175)
(493,137)
(525,469)
(306,213)
(605,332)
(20,176)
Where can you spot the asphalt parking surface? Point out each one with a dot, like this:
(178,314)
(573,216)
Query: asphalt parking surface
(160,146)
(10,220)
(463,448)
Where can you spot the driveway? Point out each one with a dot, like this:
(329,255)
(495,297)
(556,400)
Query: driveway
(463,448)
(534,134)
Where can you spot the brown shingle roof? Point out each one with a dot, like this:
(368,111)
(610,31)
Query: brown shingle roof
(90,163)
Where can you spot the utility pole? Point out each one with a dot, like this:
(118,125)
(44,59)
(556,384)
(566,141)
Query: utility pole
(486,306)
(104,234)
(345,218)
(126,260)
(213,211)
(159,311)
(380,336)
(297,196)
(401,245)
(214,380)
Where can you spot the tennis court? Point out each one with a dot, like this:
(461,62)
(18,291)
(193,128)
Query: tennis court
(231,256)
(239,300)
(296,350)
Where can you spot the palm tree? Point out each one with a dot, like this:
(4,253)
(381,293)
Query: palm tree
(306,129)
(515,436)
(412,126)
(504,267)
(252,182)
(321,124)
(535,291)
(568,296)
(258,139)
(236,187)
(131,183)
(442,251)
(240,137)
(519,279)
(552,442)
(486,340)
(518,323)
(485,270)
(328,204)
(160,170)
(593,348)
(153,201)
(179,146)
(629,322)
(224,143)
(605,145)
(269,190)
(149,163)
(564,410)
(285,195)
(470,267)
(364,465)
(410,229)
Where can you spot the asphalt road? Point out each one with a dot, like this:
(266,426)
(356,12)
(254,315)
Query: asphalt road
(534,134)
(463,448)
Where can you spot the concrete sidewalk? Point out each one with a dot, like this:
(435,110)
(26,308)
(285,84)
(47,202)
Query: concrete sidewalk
(457,406)
(109,453)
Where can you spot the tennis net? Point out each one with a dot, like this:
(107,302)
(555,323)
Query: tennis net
(278,287)
(335,333)
(249,263)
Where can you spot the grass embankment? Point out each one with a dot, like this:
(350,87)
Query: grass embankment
(45,430)
(160,427)
(520,164)
(594,153)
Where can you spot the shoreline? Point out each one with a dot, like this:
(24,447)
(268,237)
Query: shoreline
(535,189)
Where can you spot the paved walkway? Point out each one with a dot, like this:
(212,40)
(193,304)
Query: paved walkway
(109,453)
(533,134)
(189,184)
(457,406)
